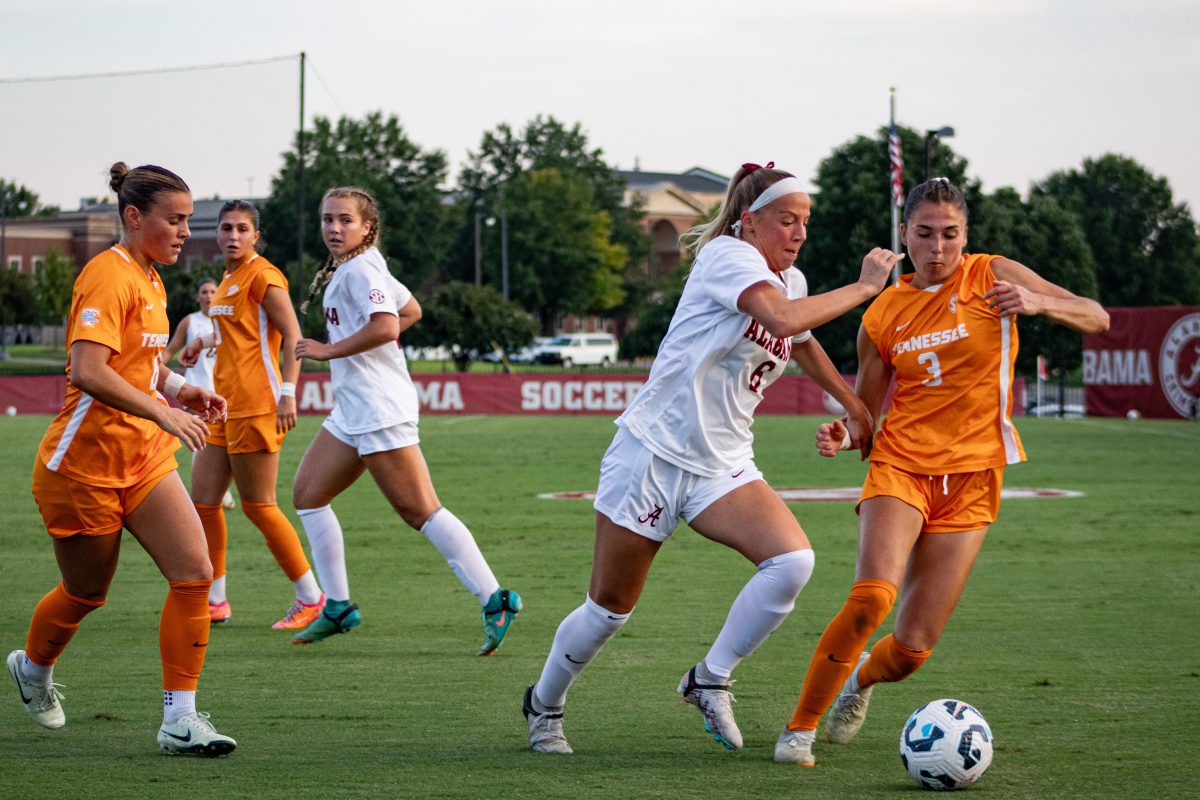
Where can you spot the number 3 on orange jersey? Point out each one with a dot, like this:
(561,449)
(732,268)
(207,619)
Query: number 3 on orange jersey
(934,368)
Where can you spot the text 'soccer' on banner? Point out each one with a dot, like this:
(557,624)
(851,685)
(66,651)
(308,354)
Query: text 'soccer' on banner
(1148,363)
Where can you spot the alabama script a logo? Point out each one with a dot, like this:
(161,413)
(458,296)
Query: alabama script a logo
(652,517)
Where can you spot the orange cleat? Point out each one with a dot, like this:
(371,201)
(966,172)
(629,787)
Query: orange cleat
(300,615)
(219,612)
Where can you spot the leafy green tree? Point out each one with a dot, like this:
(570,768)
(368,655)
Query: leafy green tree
(1144,243)
(376,154)
(852,214)
(470,320)
(644,338)
(561,251)
(515,174)
(20,201)
(18,304)
(53,287)
(1049,240)
(181,287)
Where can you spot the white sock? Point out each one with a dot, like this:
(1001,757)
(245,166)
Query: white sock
(761,607)
(177,703)
(458,547)
(577,641)
(36,673)
(216,593)
(328,550)
(307,590)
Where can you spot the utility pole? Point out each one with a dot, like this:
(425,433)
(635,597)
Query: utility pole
(298,278)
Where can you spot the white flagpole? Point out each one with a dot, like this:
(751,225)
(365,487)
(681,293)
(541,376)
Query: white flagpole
(892,200)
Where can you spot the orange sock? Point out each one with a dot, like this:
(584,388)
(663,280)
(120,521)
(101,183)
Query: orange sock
(839,648)
(281,537)
(216,534)
(54,622)
(183,634)
(890,661)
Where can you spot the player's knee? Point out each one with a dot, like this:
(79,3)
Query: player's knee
(88,597)
(870,602)
(604,617)
(784,577)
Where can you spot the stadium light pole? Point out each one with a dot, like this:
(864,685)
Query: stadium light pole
(941,133)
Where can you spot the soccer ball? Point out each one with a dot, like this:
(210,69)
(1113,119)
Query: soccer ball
(946,745)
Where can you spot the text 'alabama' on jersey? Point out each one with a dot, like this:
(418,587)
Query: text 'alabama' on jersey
(116,304)
(373,389)
(247,373)
(697,406)
(953,358)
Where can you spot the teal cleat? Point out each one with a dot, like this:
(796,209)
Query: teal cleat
(339,616)
(498,614)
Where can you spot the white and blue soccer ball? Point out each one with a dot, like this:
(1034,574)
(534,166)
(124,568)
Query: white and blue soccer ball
(946,745)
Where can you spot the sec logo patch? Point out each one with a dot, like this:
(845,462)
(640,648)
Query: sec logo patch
(376,297)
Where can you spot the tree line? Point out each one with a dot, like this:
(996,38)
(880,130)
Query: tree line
(538,211)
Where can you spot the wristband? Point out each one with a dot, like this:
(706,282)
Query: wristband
(287,389)
(173,384)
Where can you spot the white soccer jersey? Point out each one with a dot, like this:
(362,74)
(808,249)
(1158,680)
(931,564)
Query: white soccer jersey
(200,324)
(697,406)
(373,389)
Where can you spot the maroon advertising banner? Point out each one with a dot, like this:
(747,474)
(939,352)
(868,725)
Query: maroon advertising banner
(458,393)
(1147,363)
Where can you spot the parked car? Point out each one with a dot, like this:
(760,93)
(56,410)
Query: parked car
(571,349)
(530,353)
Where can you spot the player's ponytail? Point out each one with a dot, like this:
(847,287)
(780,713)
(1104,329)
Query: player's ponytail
(745,186)
(140,187)
(368,210)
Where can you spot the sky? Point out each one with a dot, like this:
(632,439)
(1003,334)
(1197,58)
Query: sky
(1029,86)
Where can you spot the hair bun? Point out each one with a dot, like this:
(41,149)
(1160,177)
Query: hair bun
(116,176)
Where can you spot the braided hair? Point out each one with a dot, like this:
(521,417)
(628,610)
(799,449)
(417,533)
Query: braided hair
(369,212)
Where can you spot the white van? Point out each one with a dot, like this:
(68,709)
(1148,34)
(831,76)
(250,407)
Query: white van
(570,349)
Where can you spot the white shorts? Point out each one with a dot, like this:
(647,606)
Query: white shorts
(393,438)
(642,492)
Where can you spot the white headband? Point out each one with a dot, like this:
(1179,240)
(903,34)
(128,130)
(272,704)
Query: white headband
(791,185)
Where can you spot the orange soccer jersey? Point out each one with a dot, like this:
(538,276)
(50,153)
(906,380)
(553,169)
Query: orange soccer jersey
(953,359)
(117,305)
(247,371)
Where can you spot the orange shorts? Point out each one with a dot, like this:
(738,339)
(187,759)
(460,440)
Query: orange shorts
(256,434)
(962,501)
(69,507)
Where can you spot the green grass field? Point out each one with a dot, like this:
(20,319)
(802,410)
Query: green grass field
(1076,638)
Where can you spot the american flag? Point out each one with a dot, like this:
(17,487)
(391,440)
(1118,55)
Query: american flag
(897,166)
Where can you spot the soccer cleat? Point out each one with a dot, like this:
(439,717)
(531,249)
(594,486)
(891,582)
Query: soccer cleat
(545,729)
(219,613)
(849,710)
(41,702)
(300,615)
(502,607)
(715,704)
(193,735)
(345,618)
(795,747)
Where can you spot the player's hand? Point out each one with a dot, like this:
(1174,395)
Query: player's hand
(860,433)
(877,268)
(211,407)
(1010,299)
(191,353)
(312,349)
(831,436)
(285,414)
(190,428)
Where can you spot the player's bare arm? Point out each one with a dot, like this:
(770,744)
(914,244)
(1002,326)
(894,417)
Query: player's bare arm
(91,373)
(381,329)
(784,317)
(1021,291)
